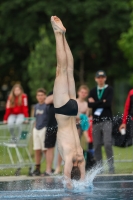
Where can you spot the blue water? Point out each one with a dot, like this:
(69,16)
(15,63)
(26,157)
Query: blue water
(104,188)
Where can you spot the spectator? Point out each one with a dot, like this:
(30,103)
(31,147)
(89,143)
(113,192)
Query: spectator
(17,106)
(51,133)
(90,138)
(82,117)
(100,100)
(128,112)
(89,154)
(51,137)
(39,131)
(83,92)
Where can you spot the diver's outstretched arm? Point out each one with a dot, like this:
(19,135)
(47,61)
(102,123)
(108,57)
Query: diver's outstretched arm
(67,172)
(82,170)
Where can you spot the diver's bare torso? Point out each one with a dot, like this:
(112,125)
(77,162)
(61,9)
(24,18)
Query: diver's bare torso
(68,138)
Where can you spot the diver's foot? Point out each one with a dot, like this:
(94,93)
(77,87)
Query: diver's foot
(57,25)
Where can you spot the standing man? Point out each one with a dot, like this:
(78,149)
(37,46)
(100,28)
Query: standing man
(100,100)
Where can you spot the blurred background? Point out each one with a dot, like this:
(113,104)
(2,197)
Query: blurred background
(100,34)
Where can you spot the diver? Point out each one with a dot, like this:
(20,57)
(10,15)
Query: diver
(66,107)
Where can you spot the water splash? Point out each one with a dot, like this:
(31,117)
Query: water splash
(87,184)
(90,176)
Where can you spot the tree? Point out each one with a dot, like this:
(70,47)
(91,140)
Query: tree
(41,67)
(93,29)
(126,44)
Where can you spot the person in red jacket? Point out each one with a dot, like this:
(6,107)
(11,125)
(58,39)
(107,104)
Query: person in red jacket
(128,112)
(16,107)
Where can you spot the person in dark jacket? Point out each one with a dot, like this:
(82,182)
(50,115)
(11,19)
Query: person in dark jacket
(51,133)
(100,100)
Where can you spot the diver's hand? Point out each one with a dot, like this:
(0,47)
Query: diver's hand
(68,183)
(69,186)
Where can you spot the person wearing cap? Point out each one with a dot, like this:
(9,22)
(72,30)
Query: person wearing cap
(100,100)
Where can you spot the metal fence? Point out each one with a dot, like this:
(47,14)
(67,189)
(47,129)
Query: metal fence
(14,142)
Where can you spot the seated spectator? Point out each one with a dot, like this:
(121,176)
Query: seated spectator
(16,107)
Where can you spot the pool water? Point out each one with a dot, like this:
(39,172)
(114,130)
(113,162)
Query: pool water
(104,188)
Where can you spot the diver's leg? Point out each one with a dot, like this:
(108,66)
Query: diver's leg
(60,93)
(70,68)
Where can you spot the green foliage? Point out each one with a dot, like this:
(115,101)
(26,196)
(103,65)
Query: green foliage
(42,64)
(93,29)
(126,44)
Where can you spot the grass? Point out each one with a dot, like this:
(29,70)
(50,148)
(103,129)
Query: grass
(119,154)
(4,159)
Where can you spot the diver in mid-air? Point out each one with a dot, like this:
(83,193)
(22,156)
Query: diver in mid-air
(66,107)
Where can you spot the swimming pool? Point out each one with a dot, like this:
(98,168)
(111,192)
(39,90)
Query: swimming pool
(105,188)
